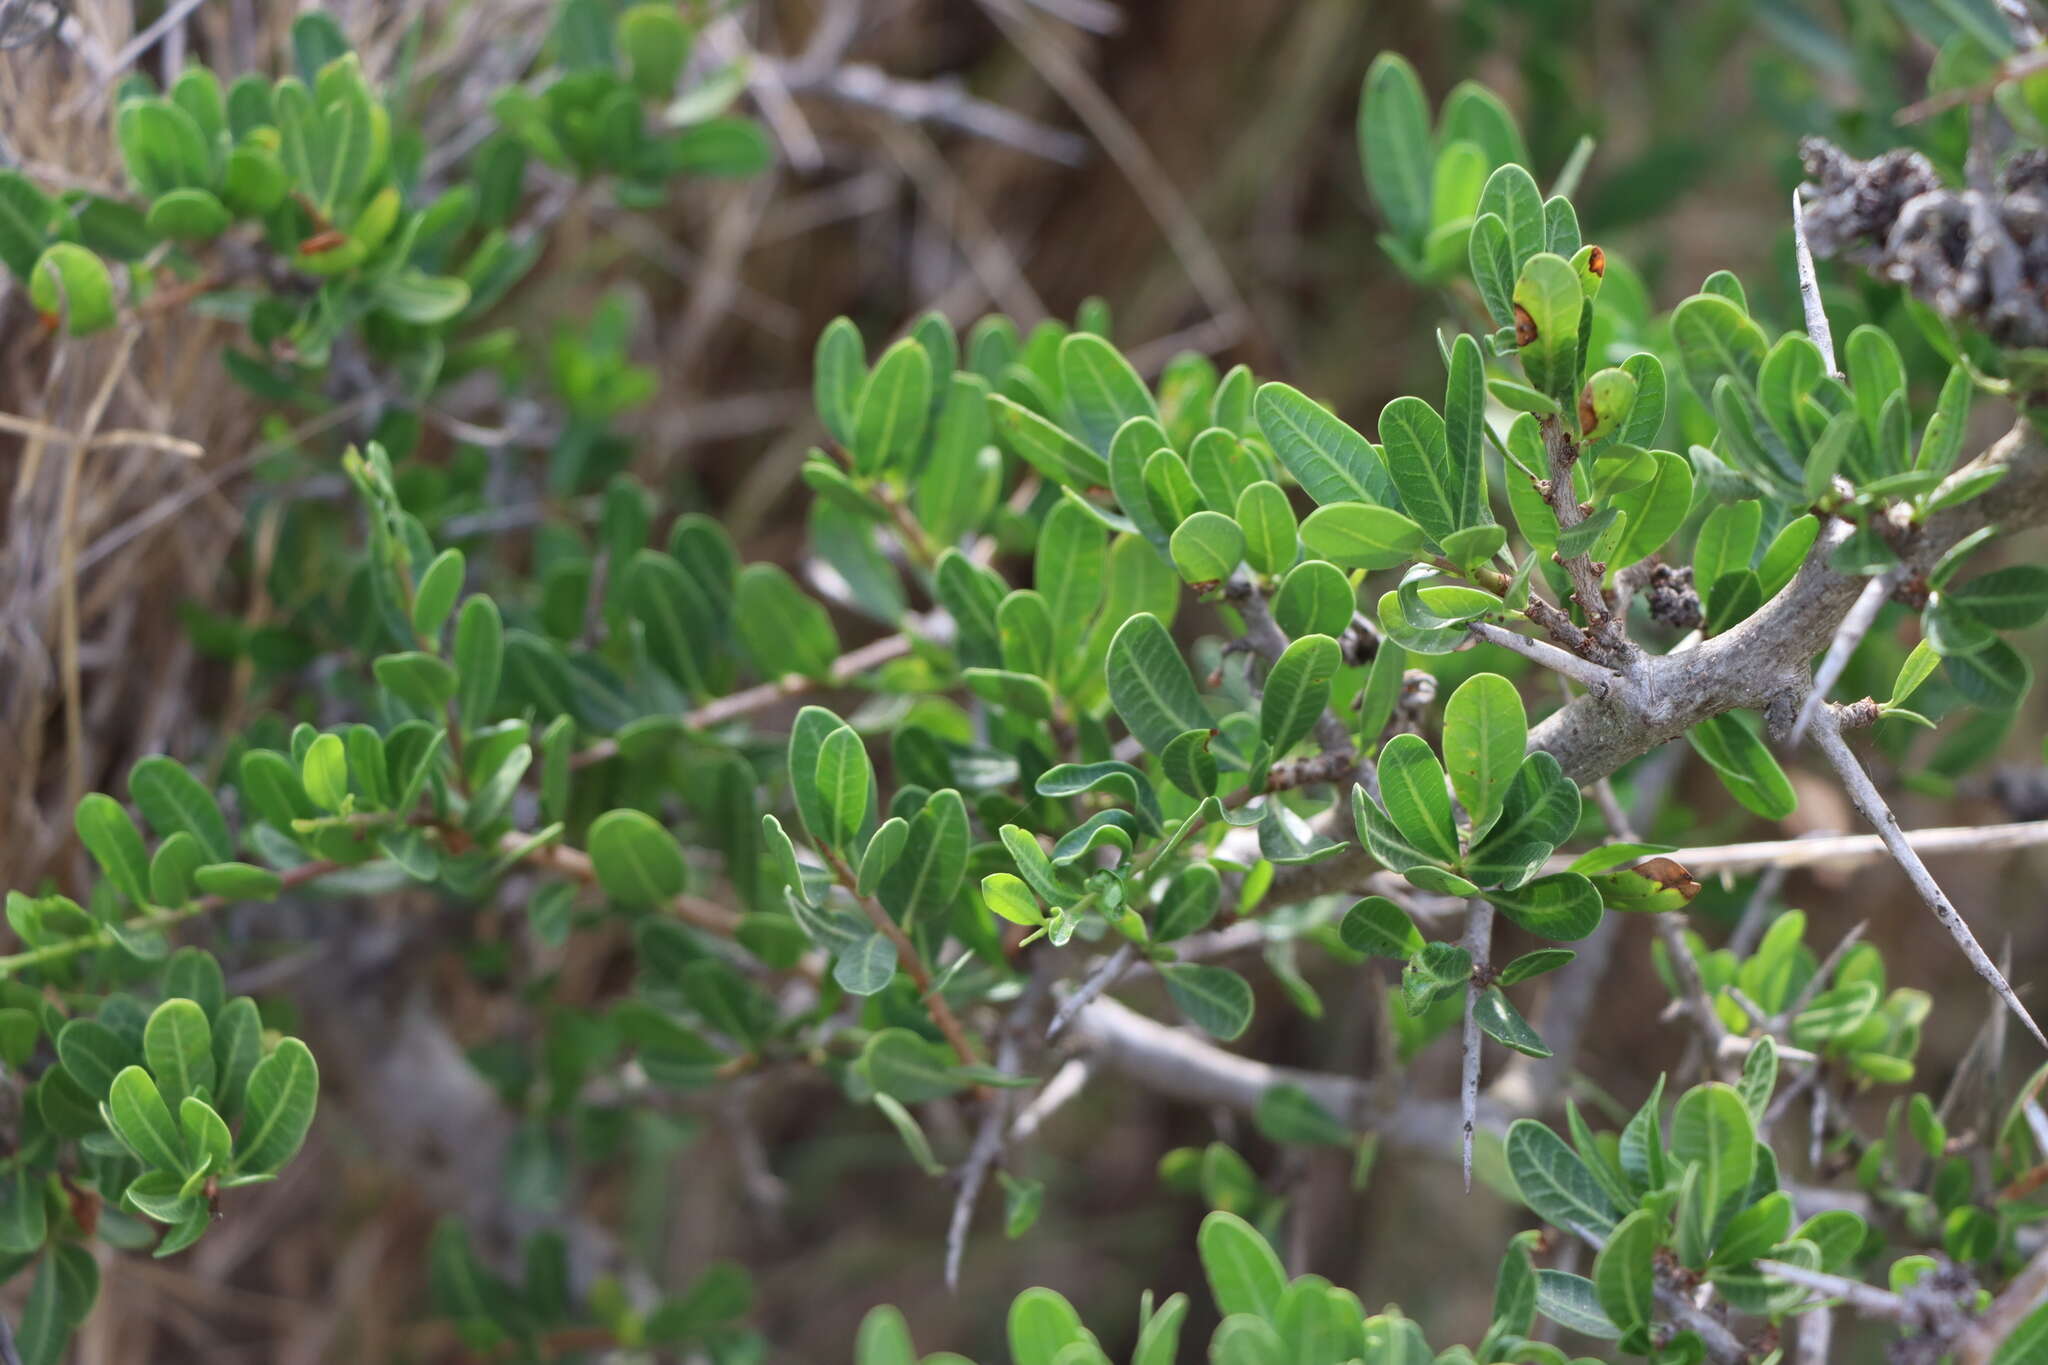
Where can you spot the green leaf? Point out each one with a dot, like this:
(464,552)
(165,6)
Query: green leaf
(1010,898)
(1394,145)
(1045,447)
(1190,903)
(1465,434)
(1378,926)
(1715,337)
(637,861)
(1534,964)
(900,1064)
(783,629)
(2026,1342)
(1287,1113)
(1244,1274)
(423,300)
(418,679)
(1266,517)
(115,844)
(2011,598)
(1624,1273)
(25,215)
(1655,508)
(282,1093)
(189,215)
(1485,731)
(843,778)
(1503,1023)
(433,599)
(1996,677)
(479,659)
(1555,1183)
(655,43)
(1433,493)
(1548,295)
(1942,441)
(24,1213)
(1068,569)
(923,883)
(1748,769)
(892,410)
(1918,668)
(1297,689)
(177,1043)
(1563,906)
(1041,1325)
(172,799)
(1216,999)
(838,369)
(1102,391)
(1712,1126)
(1727,540)
(1510,194)
(1315,598)
(884,847)
(94,1055)
(71,283)
(1357,535)
(1119,779)
(1207,548)
(1412,787)
(1188,764)
(1150,686)
(1325,456)
(137,1114)
(1491,256)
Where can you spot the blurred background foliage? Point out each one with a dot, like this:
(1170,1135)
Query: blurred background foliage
(1192,165)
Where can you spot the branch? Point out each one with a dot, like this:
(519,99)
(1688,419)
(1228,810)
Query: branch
(1826,850)
(1871,802)
(1850,634)
(1723,1347)
(760,697)
(1479,943)
(1817,329)
(1601,681)
(1759,665)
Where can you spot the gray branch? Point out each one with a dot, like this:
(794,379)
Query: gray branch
(1759,665)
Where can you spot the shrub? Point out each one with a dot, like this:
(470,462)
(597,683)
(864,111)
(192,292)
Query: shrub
(1163,656)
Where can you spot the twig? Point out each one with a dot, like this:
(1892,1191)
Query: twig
(1478,942)
(910,959)
(1820,974)
(1070,1080)
(1723,1348)
(1671,926)
(1263,636)
(1864,793)
(988,1145)
(1098,981)
(1817,329)
(1816,851)
(845,669)
(945,103)
(1868,1300)
(1847,636)
(1597,679)
(1561,492)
